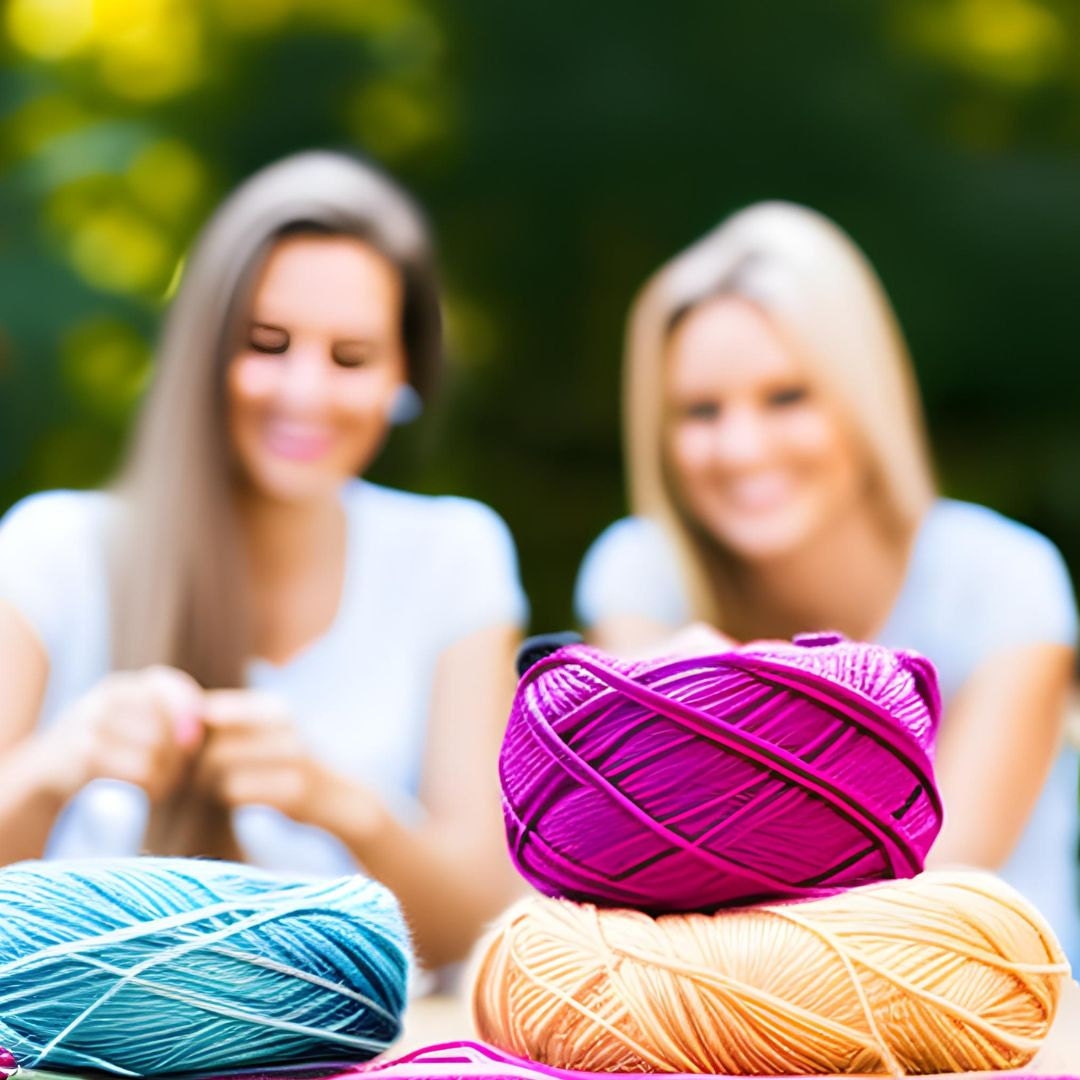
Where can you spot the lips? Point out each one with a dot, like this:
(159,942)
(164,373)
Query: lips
(296,441)
(758,493)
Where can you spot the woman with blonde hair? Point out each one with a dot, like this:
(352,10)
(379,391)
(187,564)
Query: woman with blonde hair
(780,482)
(242,649)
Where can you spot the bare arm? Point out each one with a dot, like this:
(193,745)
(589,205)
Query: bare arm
(127,727)
(29,797)
(995,749)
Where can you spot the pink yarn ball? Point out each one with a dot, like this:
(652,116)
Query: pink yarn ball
(679,784)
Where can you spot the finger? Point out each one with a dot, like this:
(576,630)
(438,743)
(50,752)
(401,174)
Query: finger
(136,766)
(181,697)
(232,747)
(136,723)
(244,708)
(280,787)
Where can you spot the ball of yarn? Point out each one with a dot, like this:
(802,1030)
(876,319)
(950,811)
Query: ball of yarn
(944,972)
(145,966)
(682,783)
(475,1061)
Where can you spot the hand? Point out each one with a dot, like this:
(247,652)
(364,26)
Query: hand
(253,754)
(139,726)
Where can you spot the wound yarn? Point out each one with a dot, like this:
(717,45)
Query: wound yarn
(687,783)
(467,1060)
(945,972)
(144,966)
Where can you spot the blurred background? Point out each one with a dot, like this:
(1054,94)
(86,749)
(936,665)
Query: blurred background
(563,151)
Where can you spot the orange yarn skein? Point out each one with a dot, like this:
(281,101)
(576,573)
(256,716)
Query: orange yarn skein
(945,972)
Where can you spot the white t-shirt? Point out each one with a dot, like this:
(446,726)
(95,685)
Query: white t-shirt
(421,572)
(977,583)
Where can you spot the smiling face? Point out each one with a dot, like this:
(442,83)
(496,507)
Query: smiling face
(309,390)
(760,459)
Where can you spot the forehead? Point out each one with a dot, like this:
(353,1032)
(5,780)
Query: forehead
(333,282)
(726,343)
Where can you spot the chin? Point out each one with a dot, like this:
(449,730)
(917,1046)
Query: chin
(764,539)
(293,483)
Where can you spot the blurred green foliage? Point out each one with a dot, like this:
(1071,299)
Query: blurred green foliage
(564,151)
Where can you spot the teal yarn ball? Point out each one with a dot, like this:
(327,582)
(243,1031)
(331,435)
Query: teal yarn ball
(145,966)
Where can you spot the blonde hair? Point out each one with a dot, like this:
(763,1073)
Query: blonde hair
(178,580)
(819,292)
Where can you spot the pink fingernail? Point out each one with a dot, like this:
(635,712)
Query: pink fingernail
(8,1064)
(188,730)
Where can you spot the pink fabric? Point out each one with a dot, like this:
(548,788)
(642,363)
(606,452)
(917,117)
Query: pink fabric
(774,770)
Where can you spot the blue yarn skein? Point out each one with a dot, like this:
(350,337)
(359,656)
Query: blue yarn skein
(144,966)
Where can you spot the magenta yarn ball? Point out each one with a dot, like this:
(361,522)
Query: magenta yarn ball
(688,783)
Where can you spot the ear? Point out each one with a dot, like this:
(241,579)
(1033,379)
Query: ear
(405,405)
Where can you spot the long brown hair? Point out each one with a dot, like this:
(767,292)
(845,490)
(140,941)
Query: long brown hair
(178,581)
(820,293)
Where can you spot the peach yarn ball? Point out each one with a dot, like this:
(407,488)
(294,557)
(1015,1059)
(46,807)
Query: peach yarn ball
(945,972)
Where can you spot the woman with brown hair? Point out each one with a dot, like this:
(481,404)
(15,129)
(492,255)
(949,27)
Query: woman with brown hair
(242,649)
(780,482)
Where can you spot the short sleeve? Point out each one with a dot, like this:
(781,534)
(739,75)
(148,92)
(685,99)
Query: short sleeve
(631,569)
(483,585)
(1030,596)
(49,545)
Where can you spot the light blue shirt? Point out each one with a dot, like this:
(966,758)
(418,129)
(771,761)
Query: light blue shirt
(977,584)
(421,573)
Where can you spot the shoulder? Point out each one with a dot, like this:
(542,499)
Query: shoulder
(953,519)
(977,542)
(53,561)
(631,568)
(51,519)
(631,538)
(1007,575)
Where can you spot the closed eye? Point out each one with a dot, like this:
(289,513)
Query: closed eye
(269,339)
(789,395)
(352,354)
(700,410)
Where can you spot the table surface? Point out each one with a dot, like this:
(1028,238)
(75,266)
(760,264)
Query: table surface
(440,1019)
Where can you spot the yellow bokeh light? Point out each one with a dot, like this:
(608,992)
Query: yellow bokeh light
(155,57)
(394,121)
(105,364)
(49,29)
(167,177)
(42,119)
(472,333)
(1013,41)
(121,251)
(254,16)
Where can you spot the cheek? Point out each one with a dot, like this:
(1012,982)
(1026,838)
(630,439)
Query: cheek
(690,449)
(826,449)
(251,382)
(362,400)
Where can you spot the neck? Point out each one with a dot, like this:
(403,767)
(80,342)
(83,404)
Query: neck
(846,579)
(282,538)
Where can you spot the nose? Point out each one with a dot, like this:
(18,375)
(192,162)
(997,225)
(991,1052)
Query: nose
(305,384)
(740,438)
